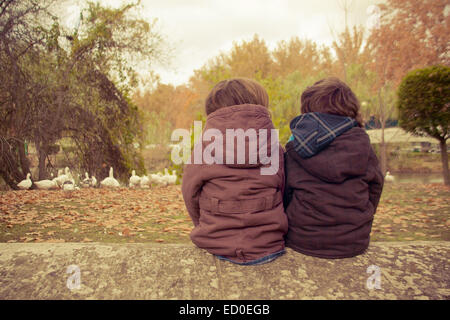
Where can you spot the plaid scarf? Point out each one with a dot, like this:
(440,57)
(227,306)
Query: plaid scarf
(312,132)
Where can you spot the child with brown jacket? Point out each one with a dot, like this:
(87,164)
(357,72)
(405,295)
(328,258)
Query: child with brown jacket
(234,195)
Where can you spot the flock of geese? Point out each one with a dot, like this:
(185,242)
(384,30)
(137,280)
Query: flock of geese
(66,182)
(63,181)
(158,178)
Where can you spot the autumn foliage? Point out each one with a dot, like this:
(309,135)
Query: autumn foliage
(411,34)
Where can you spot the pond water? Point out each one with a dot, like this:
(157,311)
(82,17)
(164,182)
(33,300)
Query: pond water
(418,178)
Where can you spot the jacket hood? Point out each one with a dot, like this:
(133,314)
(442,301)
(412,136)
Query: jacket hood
(331,155)
(253,123)
(314,131)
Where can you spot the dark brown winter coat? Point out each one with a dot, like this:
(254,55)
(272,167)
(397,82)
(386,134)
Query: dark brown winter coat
(237,212)
(331,197)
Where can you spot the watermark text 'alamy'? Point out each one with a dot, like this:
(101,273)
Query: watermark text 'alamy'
(235,144)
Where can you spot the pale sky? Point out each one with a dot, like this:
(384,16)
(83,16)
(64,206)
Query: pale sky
(199,30)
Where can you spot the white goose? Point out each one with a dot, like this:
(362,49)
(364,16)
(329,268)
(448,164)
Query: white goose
(61,178)
(158,179)
(93,181)
(46,184)
(69,184)
(167,178)
(134,180)
(110,182)
(25,184)
(60,172)
(145,182)
(389,177)
(172,179)
(86,182)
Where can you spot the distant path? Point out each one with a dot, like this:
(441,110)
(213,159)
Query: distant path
(408,270)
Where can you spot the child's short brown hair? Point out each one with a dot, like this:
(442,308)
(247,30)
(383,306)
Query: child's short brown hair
(333,96)
(235,92)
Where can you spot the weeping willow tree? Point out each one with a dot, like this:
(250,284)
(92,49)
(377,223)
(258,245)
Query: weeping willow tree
(20,37)
(109,134)
(72,84)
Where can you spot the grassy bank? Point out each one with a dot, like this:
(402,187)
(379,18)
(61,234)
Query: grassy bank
(406,212)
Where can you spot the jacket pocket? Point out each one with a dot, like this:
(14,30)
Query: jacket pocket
(217,206)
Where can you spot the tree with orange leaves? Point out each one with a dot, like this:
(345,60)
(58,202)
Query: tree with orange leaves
(411,34)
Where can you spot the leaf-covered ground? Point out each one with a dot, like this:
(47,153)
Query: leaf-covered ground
(412,212)
(101,215)
(406,212)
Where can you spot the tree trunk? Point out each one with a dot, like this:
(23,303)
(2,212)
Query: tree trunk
(383,156)
(42,171)
(42,155)
(444,158)
(11,183)
(24,162)
(383,149)
(11,161)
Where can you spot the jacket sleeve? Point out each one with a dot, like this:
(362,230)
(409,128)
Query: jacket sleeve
(191,189)
(376,180)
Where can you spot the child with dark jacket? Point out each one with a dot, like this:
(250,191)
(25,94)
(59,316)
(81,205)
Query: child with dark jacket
(333,178)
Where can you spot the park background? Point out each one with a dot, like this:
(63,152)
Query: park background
(84,85)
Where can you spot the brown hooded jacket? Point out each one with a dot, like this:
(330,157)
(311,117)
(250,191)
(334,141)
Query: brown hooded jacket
(237,211)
